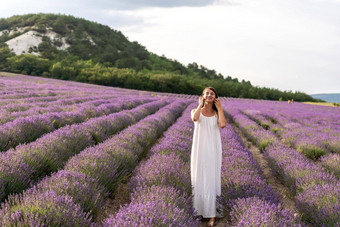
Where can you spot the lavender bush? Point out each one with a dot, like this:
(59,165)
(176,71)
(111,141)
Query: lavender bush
(332,163)
(155,213)
(84,190)
(15,175)
(177,139)
(254,211)
(294,169)
(167,169)
(97,165)
(42,209)
(62,105)
(321,204)
(168,194)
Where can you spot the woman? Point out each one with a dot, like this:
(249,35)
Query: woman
(206,154)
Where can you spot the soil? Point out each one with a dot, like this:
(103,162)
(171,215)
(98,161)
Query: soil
(112,206)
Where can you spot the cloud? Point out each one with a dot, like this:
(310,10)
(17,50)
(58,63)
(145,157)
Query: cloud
(133,4)
(17,7)
(136,4)
(115,13)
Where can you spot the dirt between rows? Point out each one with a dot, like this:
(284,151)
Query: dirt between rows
(122,195)
(111,207)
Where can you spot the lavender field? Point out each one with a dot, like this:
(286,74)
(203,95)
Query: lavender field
(66,148)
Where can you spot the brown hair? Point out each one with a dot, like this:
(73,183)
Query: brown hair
(216,96)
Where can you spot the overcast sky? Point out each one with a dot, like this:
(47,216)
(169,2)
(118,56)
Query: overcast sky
(284,44)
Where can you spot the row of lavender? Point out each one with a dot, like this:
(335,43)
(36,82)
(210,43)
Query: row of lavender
(316,191)
(28,129)
(4,101)
(12,111)
(161,189)
(30,162)
(316,134)
(88,178)
(309,141)
(18,87)
(50,96)
(305,127)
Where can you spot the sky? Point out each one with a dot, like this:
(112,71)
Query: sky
(290,45)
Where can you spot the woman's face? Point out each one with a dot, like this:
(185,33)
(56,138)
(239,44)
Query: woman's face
(209,95)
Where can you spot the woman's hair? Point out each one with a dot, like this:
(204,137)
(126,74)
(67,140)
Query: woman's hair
(216,96)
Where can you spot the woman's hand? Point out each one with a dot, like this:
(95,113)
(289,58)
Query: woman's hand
(218,104)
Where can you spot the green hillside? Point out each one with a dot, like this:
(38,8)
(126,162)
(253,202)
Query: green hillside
(72,48)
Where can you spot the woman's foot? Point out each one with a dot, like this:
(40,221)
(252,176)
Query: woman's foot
(211,222)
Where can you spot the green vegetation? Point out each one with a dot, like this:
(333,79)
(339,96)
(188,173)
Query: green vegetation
(100,55)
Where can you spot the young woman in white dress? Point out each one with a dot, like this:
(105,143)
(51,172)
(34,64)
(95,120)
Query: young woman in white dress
(206,154)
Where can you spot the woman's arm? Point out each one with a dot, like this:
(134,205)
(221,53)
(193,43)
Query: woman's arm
(222,122)
(195,113)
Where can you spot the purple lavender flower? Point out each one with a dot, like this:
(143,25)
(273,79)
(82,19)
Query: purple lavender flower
(254,211)
(294,169)
(50,152)
(42,209)
(168,194)
(85,191)
(163,170)
(152,213)
(97,165)
(310,147)
(321,204)
(14,175)
(332,163)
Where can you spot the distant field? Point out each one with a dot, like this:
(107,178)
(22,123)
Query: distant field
(7,74)
(320,103)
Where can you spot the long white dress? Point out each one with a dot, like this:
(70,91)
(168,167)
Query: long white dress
(206,161)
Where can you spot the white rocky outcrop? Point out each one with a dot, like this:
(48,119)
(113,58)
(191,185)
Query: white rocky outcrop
(22,43)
